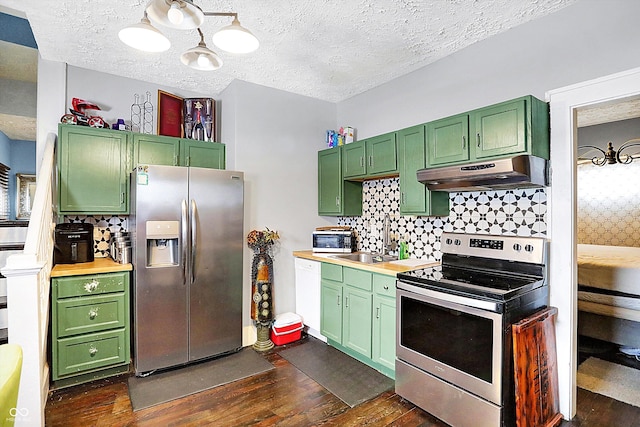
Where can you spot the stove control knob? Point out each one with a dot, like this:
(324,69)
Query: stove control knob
(448,241)
(457,242)
(528,248)
(517,247)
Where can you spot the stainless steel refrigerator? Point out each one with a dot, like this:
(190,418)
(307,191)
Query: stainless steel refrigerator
(187,292)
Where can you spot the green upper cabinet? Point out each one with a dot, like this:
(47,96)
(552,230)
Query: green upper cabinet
(93,170)
(165,150)
(336,196)
(353,163)
(202,154)
(499,130)
(415,199)
(519,126)
(448,140)
(155,150)
(371,157)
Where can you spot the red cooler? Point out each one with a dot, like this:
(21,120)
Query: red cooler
(286,328)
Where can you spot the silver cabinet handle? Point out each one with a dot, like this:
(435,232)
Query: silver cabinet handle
(385,287)
(337,201)
(346,302)
(377,312)
(478,138)
(464,142)
(361,162)
(338,299)
(371,161)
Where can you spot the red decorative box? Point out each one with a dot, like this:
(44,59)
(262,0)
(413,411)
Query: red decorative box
(286,329)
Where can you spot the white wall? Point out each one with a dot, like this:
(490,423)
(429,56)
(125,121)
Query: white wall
(276,136)
(590,39)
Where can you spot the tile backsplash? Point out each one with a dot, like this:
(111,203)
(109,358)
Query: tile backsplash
(103,226)
(509,212)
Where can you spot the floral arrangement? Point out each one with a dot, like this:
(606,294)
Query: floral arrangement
(261,239)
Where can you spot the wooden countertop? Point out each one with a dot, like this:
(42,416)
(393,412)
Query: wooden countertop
(99,265)
(389,268)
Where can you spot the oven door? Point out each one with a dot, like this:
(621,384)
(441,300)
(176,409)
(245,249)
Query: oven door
(445,336)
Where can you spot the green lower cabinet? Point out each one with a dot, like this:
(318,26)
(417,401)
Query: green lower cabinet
(356,321)
(358,315)
(90,324)
(331,314)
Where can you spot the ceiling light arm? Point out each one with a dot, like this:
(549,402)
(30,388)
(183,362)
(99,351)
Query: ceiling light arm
(234,14)
(599,160)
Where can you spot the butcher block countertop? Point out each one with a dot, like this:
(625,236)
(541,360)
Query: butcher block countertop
(389,268)
(99,265)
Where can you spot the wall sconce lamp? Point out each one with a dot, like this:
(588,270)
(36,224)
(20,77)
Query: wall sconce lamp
(610,156)
(184,15)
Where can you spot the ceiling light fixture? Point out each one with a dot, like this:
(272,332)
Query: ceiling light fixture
(144,36)
(611,156)
(185,15)
(201,57)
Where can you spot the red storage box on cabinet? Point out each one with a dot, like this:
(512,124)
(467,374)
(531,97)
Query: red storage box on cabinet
(286,328)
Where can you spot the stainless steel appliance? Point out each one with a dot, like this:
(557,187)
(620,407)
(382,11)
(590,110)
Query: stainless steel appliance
(338,240)
(454,354)
(511,172)
(188,233)
(73,243)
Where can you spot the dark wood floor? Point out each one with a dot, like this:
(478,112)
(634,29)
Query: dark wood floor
(284,397)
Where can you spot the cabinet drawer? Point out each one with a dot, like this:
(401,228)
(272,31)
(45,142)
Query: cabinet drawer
(331,272)
(95,284)
(384,285)
(90,314)
(89,352)
(357,278)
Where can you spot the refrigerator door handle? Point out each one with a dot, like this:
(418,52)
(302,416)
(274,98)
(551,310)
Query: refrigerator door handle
(185,236)
(194,234)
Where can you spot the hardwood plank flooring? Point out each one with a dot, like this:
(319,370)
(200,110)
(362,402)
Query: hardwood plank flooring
(280,397)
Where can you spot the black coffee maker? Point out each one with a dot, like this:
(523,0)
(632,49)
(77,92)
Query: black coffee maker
(73,243)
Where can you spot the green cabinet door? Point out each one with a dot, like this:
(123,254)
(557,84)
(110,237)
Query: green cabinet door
(93,170)
(499,129)
(353,162)
(336,196)
(384,331)
(155,150)
(331,310)
(202,154)
(382,155)
(357,320)
(448,140)
(415,199)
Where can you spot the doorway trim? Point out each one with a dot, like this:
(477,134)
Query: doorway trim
(564,105)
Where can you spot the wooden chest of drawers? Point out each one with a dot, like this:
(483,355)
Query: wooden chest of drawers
(90,324)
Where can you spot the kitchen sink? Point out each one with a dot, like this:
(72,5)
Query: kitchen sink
(366,257)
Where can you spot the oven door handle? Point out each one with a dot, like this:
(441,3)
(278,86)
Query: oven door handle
(456,299)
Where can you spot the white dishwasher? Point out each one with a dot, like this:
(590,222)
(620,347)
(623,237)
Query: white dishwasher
(308,295)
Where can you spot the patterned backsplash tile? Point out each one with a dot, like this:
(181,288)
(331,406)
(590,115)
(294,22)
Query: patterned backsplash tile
(609,204)
(103,226)
(509,212)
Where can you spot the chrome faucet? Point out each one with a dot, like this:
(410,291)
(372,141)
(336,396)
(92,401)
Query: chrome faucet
(385,235)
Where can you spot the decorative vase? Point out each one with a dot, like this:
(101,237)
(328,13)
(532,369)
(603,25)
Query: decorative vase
(262,297)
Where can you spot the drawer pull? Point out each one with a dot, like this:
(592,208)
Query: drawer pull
(93,351)
(91,286)
(377,312)
(386,287)
(93,313)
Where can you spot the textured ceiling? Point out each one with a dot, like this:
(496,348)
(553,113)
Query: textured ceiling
(325,49)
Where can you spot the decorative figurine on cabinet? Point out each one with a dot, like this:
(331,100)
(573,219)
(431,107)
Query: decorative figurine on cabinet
(199,118)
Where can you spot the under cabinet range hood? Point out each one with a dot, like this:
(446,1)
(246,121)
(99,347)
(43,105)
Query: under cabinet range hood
(523,171)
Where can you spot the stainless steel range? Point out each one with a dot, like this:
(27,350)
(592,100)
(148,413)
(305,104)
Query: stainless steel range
(454,354)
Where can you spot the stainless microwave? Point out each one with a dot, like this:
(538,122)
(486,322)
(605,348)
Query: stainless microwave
(334,241)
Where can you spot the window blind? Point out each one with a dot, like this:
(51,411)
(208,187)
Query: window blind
(4,192)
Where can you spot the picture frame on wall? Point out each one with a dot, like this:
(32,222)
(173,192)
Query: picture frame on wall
(169,114)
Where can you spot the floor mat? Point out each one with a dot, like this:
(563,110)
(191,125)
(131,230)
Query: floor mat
(610,379)
(170,385)
(351,381)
